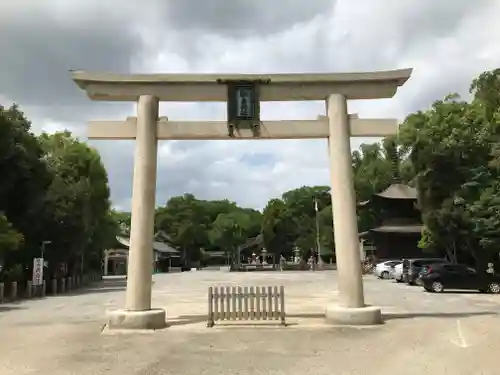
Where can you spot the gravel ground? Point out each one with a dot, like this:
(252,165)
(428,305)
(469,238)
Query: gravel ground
(451,333)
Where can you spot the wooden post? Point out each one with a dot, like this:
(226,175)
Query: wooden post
(252,303)
(29,289)
(234,313)
(63,285)
(44,288)
(228,303)
(240,304)
(54,287)
(270,302)
(210,322)
(2,291)
(245,303)
(216,303)
(13,290)
(221,302)
(276,303)
(257,303)
(282,300)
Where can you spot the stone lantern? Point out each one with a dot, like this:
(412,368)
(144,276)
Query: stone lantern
(296,254)
(264,255)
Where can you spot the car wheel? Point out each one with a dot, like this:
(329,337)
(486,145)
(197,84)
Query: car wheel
(494,288)
(385,275)
(437,287)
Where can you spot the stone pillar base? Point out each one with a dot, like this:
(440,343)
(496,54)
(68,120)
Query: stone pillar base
(360,316)
(126,319)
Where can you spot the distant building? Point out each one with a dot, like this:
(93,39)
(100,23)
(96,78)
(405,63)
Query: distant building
(399,226)
(115,259)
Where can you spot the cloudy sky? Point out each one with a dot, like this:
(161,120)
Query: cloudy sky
(447,42)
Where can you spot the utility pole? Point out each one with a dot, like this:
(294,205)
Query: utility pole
(318,245)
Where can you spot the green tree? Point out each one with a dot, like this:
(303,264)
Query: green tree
(23,187)
(10,239)
(77,202)
(186,221)
(453,148)
(229,231)
(277,226)
(195,224)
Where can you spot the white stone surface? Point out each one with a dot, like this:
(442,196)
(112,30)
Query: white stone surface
(353,316)
(124,319)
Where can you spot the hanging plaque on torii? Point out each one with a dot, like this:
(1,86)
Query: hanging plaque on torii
(243,106)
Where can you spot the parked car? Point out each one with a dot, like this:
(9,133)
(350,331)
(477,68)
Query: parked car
(397,272)
(412,267)
(438,277)
(383,269)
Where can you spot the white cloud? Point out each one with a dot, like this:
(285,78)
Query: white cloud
(447,43)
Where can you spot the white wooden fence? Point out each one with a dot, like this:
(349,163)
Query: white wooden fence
(246,303)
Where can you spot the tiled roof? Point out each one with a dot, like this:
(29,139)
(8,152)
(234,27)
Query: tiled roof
(158,246)
(398,191)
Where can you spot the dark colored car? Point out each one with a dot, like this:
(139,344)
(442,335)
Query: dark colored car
(412,267)
(438,277)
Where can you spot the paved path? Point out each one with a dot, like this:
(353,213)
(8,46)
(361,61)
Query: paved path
(452,333)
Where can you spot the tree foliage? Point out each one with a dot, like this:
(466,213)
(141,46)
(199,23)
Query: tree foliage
(54,189)
(194,225)
(454,152)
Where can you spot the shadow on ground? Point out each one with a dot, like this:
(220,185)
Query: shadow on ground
(454,315)
(11,307)
(193,319)
(93,290)
(182,320)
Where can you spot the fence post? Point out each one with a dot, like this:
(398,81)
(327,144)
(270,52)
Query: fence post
(257,303)
(245,303)
(282,300)
(54,287)
(239,314)
(44,288)
(2,291)
(270,302)
(63,284)
(216,303)
(228,303)
(210,322)
(233,314)
(29,289)
(276,309)
(264,308)
(252,303)
(13,290)
(70,283)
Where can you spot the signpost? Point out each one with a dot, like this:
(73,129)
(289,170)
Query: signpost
(37,271)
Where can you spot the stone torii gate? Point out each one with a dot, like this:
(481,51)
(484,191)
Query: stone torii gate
(147,128)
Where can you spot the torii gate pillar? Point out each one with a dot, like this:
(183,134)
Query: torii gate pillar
(351,308)
(338,126)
